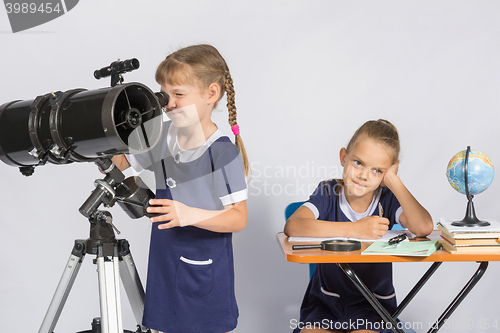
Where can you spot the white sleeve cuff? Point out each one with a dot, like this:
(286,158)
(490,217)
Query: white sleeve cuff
(313,209)
(398,214)
(234,197)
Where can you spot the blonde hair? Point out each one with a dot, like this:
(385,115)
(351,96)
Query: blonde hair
(201,65)
(381,131)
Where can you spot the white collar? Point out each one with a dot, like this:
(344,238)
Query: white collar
(183,156)
(351,214)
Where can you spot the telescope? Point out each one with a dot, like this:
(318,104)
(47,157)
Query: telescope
(82,125)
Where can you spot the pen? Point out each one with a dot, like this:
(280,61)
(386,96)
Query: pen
(380,213)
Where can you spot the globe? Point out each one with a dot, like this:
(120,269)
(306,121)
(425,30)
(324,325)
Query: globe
(480,172)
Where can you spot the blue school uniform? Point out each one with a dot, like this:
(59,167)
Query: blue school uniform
(190,283)
(331,298)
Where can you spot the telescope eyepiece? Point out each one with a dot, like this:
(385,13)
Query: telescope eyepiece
(162,98)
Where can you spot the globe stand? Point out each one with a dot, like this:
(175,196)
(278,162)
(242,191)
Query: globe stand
(470,219)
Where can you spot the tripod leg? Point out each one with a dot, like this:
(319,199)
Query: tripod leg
(109,292)
(63,288)
(132,283)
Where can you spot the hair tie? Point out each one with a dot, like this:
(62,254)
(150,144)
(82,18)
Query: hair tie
(235,129)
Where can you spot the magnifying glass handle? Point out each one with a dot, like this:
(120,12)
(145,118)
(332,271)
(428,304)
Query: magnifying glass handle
(303,247)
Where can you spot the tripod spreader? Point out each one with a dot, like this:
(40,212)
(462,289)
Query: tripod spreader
(88,246)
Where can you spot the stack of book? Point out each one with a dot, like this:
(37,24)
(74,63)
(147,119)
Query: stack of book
(470,240)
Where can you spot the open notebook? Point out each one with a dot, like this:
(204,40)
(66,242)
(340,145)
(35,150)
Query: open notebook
(385,238)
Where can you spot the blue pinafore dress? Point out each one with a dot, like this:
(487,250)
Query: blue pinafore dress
(190,283)
(332,301)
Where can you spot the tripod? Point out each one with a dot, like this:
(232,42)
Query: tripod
(113,259)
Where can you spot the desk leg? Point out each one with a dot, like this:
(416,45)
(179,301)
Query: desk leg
(369,297)
(416,289)
(460,297)
(423,280)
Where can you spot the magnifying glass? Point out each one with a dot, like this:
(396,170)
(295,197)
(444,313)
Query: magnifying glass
(332,245)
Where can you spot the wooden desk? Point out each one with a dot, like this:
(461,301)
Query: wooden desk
(319,256)
(342,259)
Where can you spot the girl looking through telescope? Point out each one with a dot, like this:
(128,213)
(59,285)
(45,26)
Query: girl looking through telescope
(200,198)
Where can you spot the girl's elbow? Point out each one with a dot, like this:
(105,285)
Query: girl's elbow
(429,228)
(286,230)
(426,229)
(429,225)
(289,229)
(240,225)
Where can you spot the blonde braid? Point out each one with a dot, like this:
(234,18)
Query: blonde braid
(231,107)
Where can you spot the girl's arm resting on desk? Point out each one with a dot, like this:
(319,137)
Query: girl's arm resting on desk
(232,218)
(303,224)
(415,217)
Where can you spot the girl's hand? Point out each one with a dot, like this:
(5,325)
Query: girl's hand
(372,227)
(174,212)
(390,175)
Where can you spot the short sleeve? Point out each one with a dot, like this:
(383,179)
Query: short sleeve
(397,215)
(391,205)
(229,176)
(320,201)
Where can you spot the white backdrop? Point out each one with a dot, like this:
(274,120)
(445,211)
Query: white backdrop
(306,74)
